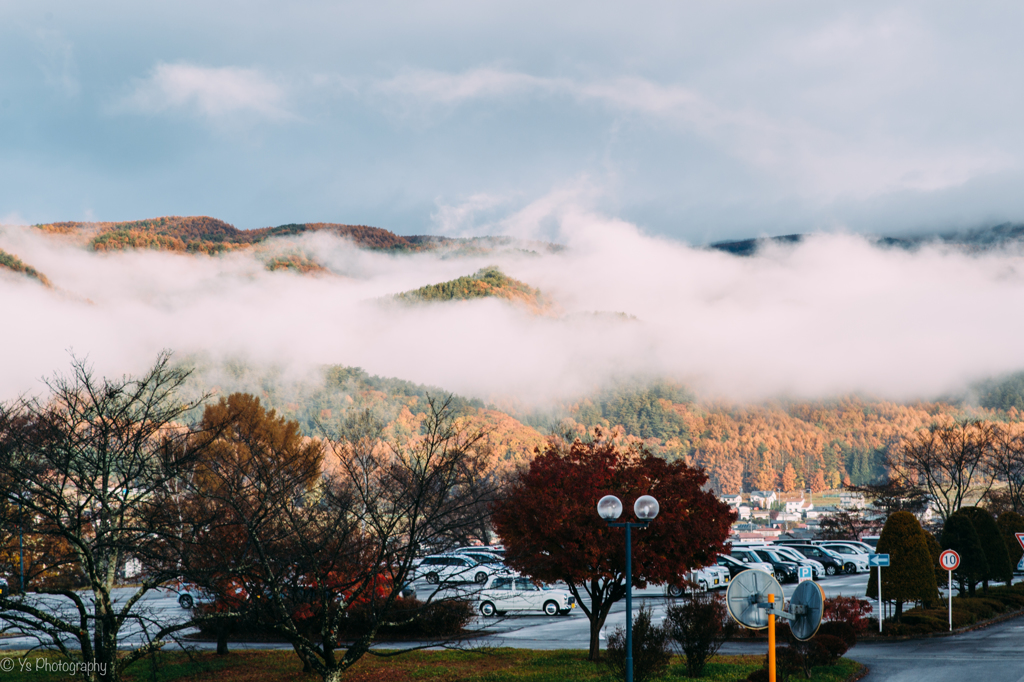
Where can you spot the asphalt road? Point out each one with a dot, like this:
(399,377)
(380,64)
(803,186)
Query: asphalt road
(993,654)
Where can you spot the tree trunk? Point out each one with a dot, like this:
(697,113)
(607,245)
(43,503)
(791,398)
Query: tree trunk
(899,609)
(334,675)
(222,640)
(595,642)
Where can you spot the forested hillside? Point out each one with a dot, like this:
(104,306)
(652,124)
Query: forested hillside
(785,445)
(488,282)
(13,263)
(203,234)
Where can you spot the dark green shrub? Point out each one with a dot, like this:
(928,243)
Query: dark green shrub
(759,675)
(788,661)
(651,652)
(825,650)
(843,631)
(413,618)
(930,621)
(980,608)
(699,626)
(1010,599)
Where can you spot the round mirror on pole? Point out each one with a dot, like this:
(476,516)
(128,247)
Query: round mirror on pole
(806,605)
(646,508)
(747,596)
(609,508)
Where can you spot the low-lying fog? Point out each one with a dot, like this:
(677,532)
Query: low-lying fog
(832,315)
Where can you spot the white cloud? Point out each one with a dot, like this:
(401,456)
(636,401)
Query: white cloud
(438,87)
(211,92)
(831,316)
(822,163)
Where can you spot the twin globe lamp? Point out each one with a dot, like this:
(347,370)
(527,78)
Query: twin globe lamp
(609,508)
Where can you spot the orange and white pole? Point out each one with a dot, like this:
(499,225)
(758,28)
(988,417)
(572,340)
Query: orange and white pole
(771,638)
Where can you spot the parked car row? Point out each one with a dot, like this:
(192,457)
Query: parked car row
(495,587)
(786,557)
(462,565)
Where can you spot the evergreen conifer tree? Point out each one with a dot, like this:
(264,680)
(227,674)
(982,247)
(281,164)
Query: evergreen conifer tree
(910,575)
(960,535)
(992,544)
(1011,523)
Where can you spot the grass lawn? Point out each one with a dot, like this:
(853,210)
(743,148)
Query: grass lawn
(499,665)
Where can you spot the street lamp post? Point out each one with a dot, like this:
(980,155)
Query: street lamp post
(609,508)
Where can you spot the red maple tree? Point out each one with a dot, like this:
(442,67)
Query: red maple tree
(549,524)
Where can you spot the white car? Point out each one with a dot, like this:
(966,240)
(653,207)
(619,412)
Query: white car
(856,544)
(849,554)
(455,568)
(712,577)
(505,593)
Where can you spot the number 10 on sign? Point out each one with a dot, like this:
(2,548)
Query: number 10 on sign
(949,560)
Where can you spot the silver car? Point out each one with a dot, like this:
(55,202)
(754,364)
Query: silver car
(505,593)
(455,568)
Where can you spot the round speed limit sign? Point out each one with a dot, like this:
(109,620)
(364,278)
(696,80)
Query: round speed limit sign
(949,560)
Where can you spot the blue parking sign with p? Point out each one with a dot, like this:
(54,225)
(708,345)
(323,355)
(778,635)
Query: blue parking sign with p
(804,573)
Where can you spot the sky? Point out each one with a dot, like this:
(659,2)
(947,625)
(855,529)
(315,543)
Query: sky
(692,121)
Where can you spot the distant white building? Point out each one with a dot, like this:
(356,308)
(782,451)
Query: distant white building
(732,500)
(799,506)
(848,500)
(763,498)
(744,511)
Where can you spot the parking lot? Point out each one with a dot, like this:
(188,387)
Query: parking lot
(518,630)
(573,631)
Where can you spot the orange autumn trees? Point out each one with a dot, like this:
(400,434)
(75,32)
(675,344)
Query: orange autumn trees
(311,533)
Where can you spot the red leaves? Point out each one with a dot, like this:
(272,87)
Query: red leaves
(551,529)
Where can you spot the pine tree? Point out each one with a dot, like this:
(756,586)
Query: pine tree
(1011,523)
(910,575)
(789,478)
(960,535)
(992,544)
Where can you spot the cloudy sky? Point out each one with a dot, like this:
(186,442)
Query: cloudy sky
(695,120)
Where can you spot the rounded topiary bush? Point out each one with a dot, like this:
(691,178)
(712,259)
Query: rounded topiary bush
(843,631)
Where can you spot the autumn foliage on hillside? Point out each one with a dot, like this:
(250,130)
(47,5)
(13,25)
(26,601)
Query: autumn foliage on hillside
(296,263)
(15,264)
(488,282)
(772,445)
(202,234)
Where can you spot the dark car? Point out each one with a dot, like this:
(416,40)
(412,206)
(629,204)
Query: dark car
(785,571)
(826,558)
(735,566)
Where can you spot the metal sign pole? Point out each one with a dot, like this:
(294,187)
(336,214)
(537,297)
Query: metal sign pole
(771,638)
(949,560)
(950,595)
(880,614)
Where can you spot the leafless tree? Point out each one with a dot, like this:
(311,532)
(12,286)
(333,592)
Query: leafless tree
(1007,463)
(314,542)
(950,461)
(83,473)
